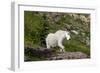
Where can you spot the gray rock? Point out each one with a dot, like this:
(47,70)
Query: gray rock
(69,55)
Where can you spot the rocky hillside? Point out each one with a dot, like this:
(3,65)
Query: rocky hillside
(39,24)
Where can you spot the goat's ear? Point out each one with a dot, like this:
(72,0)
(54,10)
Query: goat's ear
(68,29)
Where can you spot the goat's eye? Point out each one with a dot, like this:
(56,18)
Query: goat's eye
(68,33)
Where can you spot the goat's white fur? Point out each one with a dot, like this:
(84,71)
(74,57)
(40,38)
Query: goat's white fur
(56,39)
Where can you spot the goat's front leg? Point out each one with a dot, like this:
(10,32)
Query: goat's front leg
(61,46)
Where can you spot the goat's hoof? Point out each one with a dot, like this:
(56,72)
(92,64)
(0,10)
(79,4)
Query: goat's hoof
(62,50)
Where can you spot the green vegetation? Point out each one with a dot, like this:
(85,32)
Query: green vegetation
(74,45)
(38,24)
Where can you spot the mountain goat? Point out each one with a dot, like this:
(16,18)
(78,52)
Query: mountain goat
(56,39)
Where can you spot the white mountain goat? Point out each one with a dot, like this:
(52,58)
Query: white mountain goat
(56,39)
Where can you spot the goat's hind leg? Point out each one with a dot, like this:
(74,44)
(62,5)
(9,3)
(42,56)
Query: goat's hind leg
(48,46)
